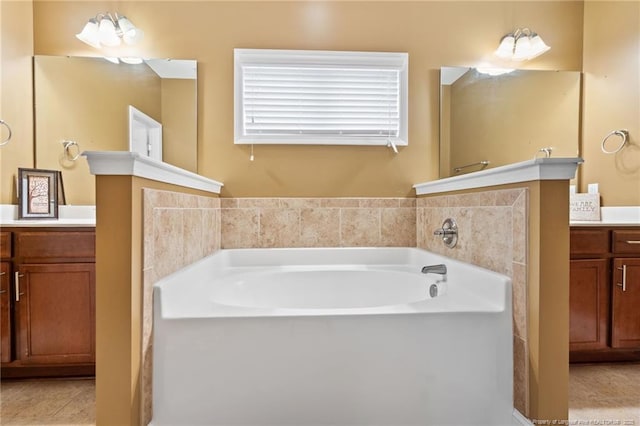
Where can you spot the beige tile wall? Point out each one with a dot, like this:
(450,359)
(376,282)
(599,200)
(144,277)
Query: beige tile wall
(318,222)
(492,229)
(178,229)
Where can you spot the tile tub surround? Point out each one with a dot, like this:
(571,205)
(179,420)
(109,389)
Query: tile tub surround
(318,222)
(492,230)
(178,229)
(344,222)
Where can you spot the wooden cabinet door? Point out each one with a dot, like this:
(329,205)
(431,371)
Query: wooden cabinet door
(5,312)
(56,313)
(625,318)
(588,304)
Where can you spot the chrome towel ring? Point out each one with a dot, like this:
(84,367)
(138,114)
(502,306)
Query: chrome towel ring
(6,141)
(67,145)
(623,133)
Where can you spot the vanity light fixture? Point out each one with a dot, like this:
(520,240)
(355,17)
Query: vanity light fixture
(130,60)
(105,30)
(520,45)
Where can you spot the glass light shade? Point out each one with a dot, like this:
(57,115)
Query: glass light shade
(505,50)
(523,49)
(107,32)
(112,59)
(133,36)
(130,34)
(89,34)
(538,47)
(131,60)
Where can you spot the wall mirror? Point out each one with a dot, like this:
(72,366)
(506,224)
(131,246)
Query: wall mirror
(86,100)
(491,120)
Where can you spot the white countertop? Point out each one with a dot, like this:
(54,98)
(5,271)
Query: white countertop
(525,171)
(613,216)
(68,216)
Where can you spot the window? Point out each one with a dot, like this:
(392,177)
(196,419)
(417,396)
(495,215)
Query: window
(320,97)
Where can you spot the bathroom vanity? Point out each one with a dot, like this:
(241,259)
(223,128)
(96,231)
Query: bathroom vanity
(604,293)
(47,298)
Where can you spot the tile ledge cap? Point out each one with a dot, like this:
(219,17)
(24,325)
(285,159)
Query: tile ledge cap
(134,164)
(525,171)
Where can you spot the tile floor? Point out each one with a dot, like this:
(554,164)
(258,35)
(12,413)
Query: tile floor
(604,394)
(599,394)
(48,402)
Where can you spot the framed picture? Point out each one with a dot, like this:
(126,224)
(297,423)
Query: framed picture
(37,194)
(62,198)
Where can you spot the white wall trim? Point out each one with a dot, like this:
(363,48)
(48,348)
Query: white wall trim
(133,164)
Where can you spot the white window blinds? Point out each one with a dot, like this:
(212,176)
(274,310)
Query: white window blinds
(311,97)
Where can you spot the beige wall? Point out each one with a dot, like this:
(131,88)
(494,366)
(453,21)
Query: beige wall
(612,99)
(16,105)
(445,131)
(210,30)
(71,106)
(611,88)
(510,121)
(179,123)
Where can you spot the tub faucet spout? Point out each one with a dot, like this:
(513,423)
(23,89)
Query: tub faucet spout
(435,269)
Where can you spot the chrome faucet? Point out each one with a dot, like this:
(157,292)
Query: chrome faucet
(435,269)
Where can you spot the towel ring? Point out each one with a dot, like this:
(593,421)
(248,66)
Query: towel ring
(6,141)
(623,133)
(67,145)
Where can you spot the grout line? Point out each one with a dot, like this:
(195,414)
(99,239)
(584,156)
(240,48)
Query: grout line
(340,228)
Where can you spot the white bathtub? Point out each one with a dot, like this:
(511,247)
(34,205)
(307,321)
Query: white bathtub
(345,336)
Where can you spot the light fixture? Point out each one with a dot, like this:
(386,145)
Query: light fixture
(130,34)
(130,60)
(105,30)
(107,33)
(520,45)
(89,34)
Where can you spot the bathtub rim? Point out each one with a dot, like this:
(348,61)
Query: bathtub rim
(405,254)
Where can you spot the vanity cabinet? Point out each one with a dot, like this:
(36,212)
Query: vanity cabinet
(625,319)
(5,297)
(589,304)
(604,294)
(52,303)
(55,313)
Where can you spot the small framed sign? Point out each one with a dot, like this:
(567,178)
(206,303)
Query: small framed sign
(584,207)
(37,194)
(62,198)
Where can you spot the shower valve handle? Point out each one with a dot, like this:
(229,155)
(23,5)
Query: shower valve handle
(448,232)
